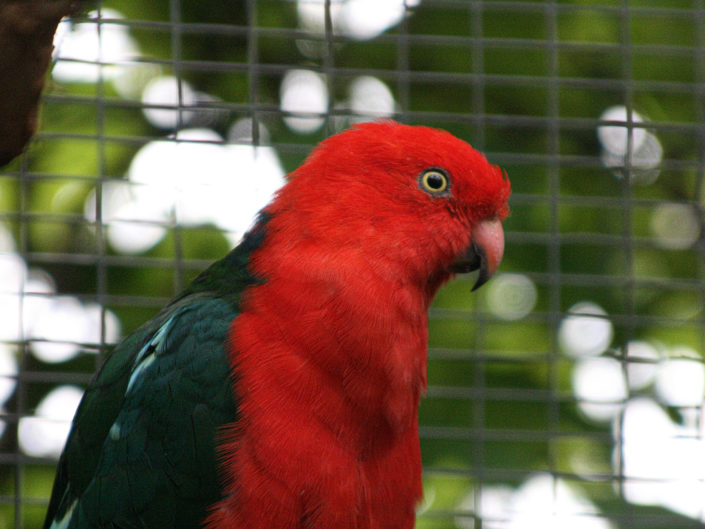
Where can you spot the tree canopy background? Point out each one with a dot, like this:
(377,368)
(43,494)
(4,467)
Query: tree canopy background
(567,392)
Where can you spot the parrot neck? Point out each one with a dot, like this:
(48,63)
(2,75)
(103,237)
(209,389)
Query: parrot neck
(346,336)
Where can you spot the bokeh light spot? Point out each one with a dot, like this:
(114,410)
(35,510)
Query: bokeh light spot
(357,19)
(8,372)
(615,138)
(194,180)
(642,358)
(663,462)
(680,381)
(646,151)
(59,330)
(675,226)
(78,47)
(511,296)
(585,330)
(541,501)
(168,91)
(44,434)
(371,98)
(304,95)
(600,386)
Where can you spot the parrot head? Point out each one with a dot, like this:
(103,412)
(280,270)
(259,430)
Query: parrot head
(417,199)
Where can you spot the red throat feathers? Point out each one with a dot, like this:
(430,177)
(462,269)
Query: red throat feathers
(329,351)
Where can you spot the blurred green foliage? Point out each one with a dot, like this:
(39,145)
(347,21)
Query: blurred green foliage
(530,103)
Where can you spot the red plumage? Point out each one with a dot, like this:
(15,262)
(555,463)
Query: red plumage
(329,351)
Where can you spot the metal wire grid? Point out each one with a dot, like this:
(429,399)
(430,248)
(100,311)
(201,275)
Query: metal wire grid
(552,161)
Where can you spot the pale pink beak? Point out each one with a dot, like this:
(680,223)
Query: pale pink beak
(485,252)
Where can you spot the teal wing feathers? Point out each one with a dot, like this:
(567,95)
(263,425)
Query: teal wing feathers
(152,461)
(142,448)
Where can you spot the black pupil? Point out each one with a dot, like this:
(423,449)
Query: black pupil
(434,180)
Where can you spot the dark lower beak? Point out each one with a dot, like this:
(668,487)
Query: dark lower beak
(485,251)
(473,259)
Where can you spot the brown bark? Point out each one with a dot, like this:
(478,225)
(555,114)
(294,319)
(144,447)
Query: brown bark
(26,34)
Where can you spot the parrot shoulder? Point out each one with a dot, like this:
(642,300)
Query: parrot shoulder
(149,422)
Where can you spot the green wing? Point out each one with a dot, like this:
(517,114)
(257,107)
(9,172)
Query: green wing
(142,447)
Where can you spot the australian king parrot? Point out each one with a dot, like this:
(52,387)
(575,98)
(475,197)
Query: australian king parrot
(280,390)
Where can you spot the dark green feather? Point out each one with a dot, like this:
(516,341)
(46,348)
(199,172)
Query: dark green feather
(142,448)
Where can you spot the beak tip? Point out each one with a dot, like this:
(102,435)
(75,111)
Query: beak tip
(481,280)
(485,252)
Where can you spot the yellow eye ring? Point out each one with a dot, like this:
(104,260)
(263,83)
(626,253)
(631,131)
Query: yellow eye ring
(434,181)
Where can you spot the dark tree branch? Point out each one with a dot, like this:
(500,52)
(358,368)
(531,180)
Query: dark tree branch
(26,34)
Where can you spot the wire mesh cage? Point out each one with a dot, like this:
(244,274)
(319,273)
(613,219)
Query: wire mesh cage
(567,392)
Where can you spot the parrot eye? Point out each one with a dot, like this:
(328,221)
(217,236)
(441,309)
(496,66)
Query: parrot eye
(434,181)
